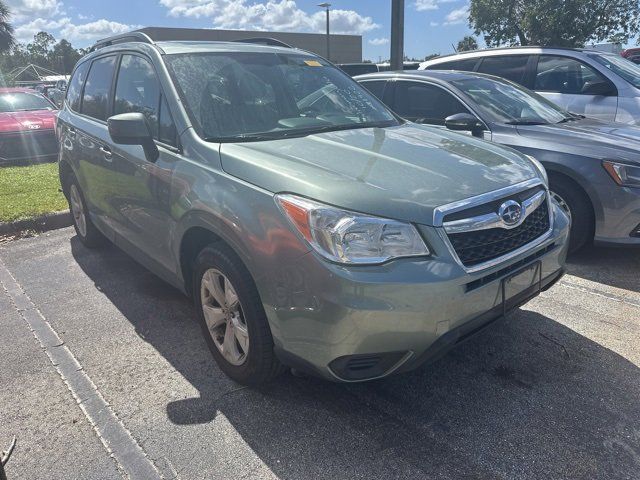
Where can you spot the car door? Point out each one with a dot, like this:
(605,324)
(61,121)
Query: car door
(139,188)
(92,140)
(426,103)
(575,86)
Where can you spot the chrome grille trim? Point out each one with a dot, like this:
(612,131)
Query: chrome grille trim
(542,241)
(493,220)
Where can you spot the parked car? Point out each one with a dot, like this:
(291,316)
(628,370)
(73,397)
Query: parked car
(596,84)
(353,69)
(57,93)
(27,127)
(312,227)
(593,166)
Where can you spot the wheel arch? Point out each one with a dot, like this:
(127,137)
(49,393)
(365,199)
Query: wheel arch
(197,230)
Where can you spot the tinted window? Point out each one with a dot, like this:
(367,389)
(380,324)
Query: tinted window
(95,101)
(246,96)
(354,69)
(464,65)
(377,87)
(75,87)
(564,75)
(620,65)
(137,90)
(511,67)
(425,103)
(23,101)
(166,129)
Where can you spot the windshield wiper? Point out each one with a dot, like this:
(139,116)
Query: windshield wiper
(526,122)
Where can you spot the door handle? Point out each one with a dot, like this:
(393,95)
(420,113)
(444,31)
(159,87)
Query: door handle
(71,132)
(106,152)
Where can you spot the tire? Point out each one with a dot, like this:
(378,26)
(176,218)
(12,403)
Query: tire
(86,231)
(575,202)
(250,360)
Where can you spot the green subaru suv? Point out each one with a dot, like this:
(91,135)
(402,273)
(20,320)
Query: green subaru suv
(312,227)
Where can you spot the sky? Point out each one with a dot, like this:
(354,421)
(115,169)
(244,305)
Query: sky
(431,26)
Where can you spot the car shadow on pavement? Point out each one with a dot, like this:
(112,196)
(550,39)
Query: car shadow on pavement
(614,266)
(528,398)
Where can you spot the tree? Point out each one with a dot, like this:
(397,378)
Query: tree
(6,29)
(566,23)
(64,57)
(41,45)
(467,43)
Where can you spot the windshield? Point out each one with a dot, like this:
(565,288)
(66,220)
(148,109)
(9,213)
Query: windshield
(621,66)
(255,96)
(504,102)
(23,101)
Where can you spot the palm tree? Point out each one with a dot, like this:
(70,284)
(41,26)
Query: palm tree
(7,39)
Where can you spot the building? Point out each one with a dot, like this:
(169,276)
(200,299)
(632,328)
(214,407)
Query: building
(344,48)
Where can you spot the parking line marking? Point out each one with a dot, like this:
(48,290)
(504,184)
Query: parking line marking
(599,293)
(117,440)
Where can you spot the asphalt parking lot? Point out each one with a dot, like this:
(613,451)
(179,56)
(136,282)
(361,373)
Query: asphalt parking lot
(551,392)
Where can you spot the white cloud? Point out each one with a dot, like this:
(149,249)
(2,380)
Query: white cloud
(425,5)
(379,41)
(282,15)
(457,16)
(22,10)
(26,31)
(64,28)
(95,30)
(433,24)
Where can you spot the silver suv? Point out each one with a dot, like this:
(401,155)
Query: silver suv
(588,82)
(312,227)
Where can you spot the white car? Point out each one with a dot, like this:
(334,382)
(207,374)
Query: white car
(588,82)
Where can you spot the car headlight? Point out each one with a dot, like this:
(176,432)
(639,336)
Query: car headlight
(622,173)
(540,168)
(348,237)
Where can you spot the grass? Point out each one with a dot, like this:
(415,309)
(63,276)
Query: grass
(30,191)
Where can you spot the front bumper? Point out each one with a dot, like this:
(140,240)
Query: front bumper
(620,220)
(31,146)
(403,312)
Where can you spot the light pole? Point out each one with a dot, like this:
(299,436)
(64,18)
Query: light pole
(326,7)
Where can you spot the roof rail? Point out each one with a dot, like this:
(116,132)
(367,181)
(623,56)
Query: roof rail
(272,42)
(122,38)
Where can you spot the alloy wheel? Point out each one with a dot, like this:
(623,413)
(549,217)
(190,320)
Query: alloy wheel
(224,316)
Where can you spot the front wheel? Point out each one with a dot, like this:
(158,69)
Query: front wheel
(232,317)
(577,205)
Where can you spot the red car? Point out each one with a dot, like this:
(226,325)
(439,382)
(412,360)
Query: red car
(632,54)
(27,127)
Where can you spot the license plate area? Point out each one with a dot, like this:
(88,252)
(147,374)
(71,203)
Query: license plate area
(521,286)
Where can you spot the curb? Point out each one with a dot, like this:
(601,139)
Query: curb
(43,223)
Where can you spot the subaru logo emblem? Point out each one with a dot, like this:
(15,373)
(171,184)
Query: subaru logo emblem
(510,212)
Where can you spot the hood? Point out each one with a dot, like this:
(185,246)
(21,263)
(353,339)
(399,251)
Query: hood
(27,121)
(587,137)
(401,172)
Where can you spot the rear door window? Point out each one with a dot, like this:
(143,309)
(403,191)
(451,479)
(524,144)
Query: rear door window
(511,67)
(74,91)
(95,99)
(464,65)
(564,75)
(425,103)
(376,87)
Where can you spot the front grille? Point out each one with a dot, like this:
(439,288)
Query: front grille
(480,246)
(28,145)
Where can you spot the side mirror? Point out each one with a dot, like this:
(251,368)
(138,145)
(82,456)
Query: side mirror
(464,122)
(133,129)
(604,89)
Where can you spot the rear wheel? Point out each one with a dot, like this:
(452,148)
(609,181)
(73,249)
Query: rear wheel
(86,231)
(577,205)
(232,317)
